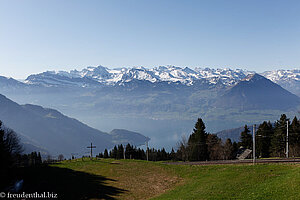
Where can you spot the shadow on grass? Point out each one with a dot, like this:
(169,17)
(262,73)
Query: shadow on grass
(67,183)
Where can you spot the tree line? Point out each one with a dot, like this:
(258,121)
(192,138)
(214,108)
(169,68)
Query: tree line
(201,146)
(11,156)
(10,148)
(132,152)
(271,138)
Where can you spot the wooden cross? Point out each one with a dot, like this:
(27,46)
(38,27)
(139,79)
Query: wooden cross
(91,147)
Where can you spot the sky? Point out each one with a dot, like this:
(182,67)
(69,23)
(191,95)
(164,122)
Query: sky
(37,36)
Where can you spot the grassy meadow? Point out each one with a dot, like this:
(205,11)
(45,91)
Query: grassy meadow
(132,179)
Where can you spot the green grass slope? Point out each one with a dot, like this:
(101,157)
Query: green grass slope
(130,179)
(263,181)
(127,179)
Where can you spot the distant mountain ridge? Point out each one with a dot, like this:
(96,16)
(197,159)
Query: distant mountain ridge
(124,137)
(103,76)
(162,101)
(106,76)
(258,92)
(288,79)
(234,134)
(54,132)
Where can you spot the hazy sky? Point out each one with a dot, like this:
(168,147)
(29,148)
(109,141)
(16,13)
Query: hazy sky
(50,35)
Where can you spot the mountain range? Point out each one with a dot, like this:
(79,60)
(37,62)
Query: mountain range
(51,132)
(93,76)
(245,95)
(163,102)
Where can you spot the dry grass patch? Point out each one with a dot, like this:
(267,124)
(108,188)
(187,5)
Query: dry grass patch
(139,179)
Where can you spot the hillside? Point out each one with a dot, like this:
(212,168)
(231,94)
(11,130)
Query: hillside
(234,134)
(53,131)
(257,92)
(108,179)
(122,136)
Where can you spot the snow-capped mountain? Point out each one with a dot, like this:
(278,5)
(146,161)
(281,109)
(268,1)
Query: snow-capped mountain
(282,75)
(288,79)
(104,76)
(101,76)
(150,100)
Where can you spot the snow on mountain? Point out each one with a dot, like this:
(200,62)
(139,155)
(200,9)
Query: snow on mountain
(282,75)
(107,76)
(95,76)
(52,78)
(288,79)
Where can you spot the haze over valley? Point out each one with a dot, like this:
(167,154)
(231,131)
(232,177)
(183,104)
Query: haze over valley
(161,103)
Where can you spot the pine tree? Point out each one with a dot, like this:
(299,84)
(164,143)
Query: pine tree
(197,143)
(164,155)
(105,155)
(294,137)
(263,139)
(39,158)
(120,152)
(278,141)
(141,154)
(172,155)
(114,152)
(100,155)
(129,151)
(246,138)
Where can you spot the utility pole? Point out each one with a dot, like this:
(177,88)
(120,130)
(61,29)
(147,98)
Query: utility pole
(287,139)
(147,151)
(91,147)
(254,143)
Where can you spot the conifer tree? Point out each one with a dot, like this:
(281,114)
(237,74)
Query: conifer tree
(172,155)
(39,158)
(278,141)
(294,137)
(197,143)
(164,155)
(120,152)
(129,151)
(263,139)
(114,152)
(105,155)
(246,138)
(100,155)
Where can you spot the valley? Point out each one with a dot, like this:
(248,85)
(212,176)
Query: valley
(161,103)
